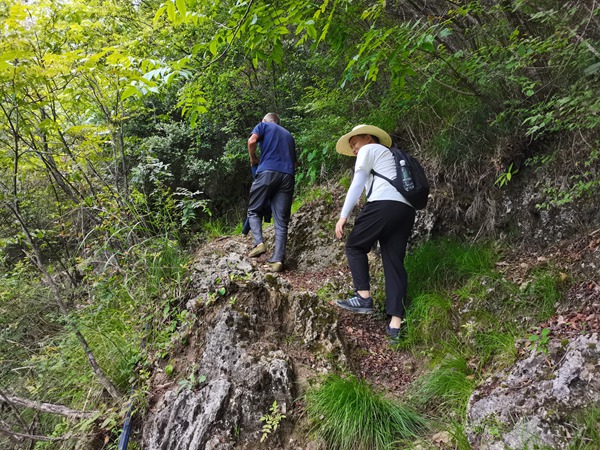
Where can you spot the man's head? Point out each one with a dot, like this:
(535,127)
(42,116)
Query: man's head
(271,117)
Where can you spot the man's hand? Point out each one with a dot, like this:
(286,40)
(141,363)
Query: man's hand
(339,227)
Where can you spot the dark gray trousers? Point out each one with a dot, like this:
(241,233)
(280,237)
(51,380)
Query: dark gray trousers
(277,187)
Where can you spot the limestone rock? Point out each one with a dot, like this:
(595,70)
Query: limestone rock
(534,404)
(241,362)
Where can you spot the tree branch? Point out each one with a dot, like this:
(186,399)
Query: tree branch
(19,437)
(47,407)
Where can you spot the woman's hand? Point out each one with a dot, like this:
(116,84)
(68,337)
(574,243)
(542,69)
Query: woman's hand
(339,227)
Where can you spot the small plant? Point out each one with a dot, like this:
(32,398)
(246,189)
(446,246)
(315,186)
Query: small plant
(505,177)
(188,204)
(192,381)
(271,421)
(542,340)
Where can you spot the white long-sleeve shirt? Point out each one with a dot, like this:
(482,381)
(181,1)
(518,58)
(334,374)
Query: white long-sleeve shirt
(379,158)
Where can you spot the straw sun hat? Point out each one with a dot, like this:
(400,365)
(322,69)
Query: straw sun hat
(343,143)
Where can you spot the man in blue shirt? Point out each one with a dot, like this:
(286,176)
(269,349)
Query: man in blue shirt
(274,181)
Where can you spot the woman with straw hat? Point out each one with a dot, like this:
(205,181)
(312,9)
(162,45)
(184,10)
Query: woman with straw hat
(387,217)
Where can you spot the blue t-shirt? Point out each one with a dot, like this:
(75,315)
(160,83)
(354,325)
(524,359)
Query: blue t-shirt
(277,148)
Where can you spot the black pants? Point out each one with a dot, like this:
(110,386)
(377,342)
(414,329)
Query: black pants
(390,223)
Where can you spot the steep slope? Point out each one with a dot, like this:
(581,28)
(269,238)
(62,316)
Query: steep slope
(260,338)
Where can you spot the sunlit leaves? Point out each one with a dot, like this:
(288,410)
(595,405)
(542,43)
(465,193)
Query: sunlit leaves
(192,103)
(17,16)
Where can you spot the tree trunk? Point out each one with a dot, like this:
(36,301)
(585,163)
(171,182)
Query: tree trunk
(37,260)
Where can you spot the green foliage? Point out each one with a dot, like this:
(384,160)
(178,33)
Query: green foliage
(347,413)
(459,434)
(505,177)
(318,158)
(496,347)
(98,168)
(539,296)
(193,379)
(428,321)
(586,433)
(22,301)
(438,265)
(469,309)
(271,421)
(345,182)
(446,388)
(583,181)
(320,194)
(215,228)
(206,173)
(541,340)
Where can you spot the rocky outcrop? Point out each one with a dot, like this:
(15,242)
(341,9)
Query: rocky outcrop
(534,406)
(241,363)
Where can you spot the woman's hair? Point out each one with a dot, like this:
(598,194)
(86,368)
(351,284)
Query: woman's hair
(375,138)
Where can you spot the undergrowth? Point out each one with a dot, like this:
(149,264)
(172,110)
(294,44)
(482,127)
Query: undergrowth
(126,316)
(348,414)
(464,319)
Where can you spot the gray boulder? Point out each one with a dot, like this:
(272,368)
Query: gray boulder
(536,403)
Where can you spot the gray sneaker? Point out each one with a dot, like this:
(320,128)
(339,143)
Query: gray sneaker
(357,304)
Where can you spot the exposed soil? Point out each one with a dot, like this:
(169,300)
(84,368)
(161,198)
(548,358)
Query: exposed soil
(370,352)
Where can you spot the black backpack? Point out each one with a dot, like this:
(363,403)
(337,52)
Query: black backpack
(419,193)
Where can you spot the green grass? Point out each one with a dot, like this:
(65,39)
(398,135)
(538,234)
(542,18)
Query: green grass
(214,228)
(428,320)
(447,388)
(457,430)
(586,432)
(166,263)
(315,193)
(347,414)
(464,319)
(456,297)
(495,347)
(541,294)
(438,266)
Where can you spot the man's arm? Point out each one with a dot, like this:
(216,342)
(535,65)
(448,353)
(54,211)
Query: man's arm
(252,149)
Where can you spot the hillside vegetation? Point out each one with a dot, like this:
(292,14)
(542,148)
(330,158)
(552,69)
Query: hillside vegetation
(123,129)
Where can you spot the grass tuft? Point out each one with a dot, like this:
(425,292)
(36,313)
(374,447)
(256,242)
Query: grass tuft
(586,433)
(347,414)
(428,320)
(447,388)
(439,265)
(496,346)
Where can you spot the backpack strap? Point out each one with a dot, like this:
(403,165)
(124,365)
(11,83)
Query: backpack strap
(376,174)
